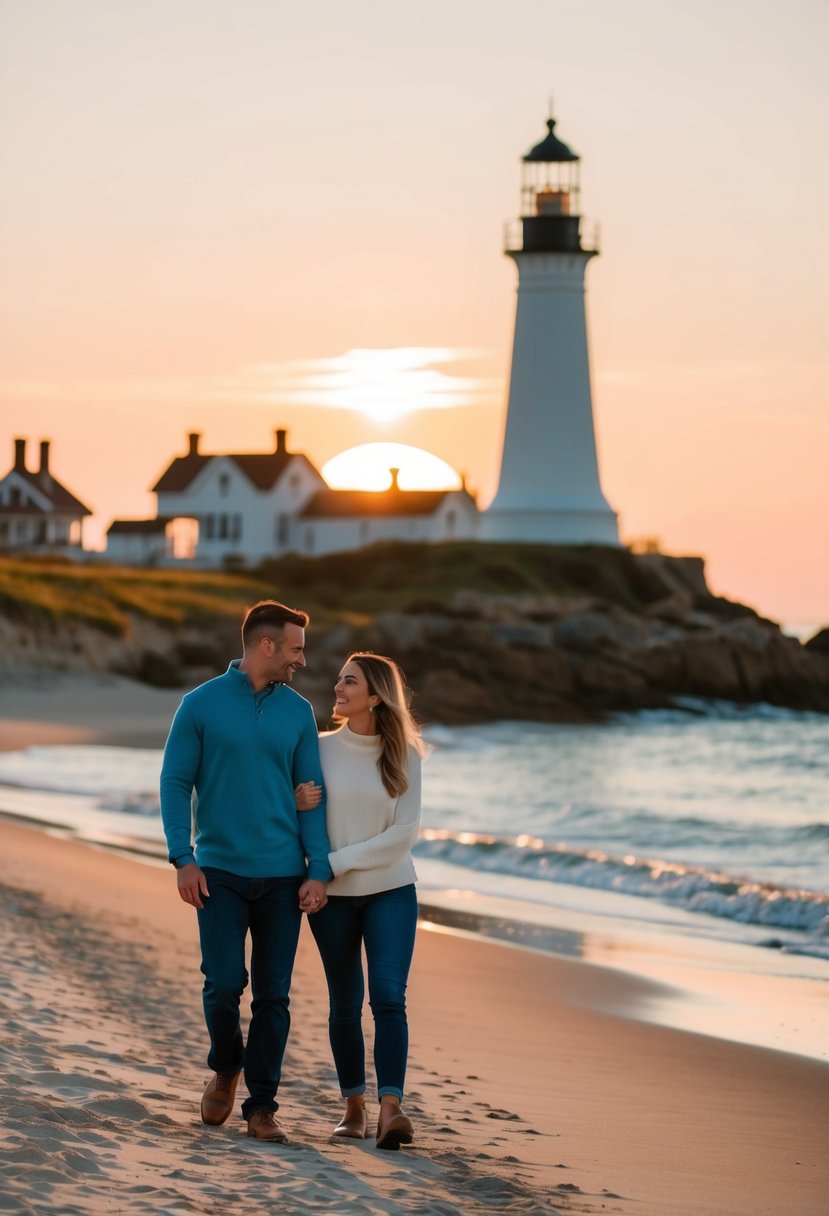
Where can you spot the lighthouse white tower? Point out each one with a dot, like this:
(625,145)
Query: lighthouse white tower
(549,488)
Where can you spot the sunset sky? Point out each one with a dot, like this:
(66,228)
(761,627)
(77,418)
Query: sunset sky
(230,217)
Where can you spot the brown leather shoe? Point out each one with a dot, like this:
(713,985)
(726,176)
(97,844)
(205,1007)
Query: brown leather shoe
(264,1125)
(395,1131)
(354,1128)
(218,1096)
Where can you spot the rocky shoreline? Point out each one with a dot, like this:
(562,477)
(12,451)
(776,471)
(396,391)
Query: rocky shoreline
(478,656)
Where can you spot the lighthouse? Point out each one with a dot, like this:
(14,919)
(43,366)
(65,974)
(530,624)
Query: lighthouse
(549,488)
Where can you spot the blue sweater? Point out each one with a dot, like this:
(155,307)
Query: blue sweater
(243,753)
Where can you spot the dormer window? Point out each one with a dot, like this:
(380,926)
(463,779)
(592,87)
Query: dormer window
(224,484)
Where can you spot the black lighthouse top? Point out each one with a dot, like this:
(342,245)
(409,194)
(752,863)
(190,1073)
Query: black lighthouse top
(551,150)
(550,214)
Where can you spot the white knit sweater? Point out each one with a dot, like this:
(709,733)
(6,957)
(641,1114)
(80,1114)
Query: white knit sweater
(371,834)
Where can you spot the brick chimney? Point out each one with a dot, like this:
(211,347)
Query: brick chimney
(44,458)
(281,437)
(193,442)
(20,455)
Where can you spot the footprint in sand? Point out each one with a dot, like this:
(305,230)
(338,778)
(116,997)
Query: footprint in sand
(125,1108)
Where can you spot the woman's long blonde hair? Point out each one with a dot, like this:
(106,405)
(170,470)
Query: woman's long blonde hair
(395,724)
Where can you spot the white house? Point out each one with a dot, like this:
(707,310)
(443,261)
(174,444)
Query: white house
(334,520)
(219,510)
(236,509)
(141,542)
(37,513)
(244,503)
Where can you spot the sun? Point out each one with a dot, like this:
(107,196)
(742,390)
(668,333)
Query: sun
(366,467)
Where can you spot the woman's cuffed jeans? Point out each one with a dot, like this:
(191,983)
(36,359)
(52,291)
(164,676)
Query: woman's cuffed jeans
(385,923)
(268,909)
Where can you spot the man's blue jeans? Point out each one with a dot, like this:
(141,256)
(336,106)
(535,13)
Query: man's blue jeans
(267,908)
(386,924)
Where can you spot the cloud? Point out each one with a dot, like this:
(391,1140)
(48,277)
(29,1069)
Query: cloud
(384,383)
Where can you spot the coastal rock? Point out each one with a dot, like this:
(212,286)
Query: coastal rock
(576,633)
(674,574)
(523,633)
(588,631)
(819,644)
(477,605)
(676,607)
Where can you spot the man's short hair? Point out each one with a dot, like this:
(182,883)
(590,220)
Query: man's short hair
(270,615)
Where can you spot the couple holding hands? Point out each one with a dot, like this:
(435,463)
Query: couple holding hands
(287,822)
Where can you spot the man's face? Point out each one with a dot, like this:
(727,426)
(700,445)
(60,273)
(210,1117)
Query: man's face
(288,653)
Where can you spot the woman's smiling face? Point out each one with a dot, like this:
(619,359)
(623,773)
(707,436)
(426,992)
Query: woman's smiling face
(351,693)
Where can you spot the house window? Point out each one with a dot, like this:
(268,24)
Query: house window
(224,484)
(294,482)
(236,528)
(14,496)
(309,540)
(209,526)
(224,529)
(451,519)
(283,530)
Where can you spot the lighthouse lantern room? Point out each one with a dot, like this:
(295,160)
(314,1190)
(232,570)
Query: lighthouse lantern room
(549,488)
(550,195)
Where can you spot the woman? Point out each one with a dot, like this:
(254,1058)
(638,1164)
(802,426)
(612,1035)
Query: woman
(371,770)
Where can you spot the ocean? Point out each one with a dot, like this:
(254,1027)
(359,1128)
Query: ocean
(706,816)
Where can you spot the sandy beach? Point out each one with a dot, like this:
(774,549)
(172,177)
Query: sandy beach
(94,708)
(535,1083)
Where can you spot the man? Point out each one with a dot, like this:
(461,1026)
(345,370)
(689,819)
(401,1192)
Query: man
(243,742)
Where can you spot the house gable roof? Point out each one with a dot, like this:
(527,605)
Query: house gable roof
(340,504)
(50,496)
(262,469)
(180,473)
(138,527)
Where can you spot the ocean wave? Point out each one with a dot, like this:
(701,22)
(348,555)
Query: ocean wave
(690,887)
(811,831)
(683,708)
(144,804)
(686,832)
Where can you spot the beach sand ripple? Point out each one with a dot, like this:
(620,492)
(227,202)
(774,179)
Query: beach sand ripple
(91,1016)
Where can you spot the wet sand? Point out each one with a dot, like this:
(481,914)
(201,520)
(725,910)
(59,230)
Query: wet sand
(527,1095)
